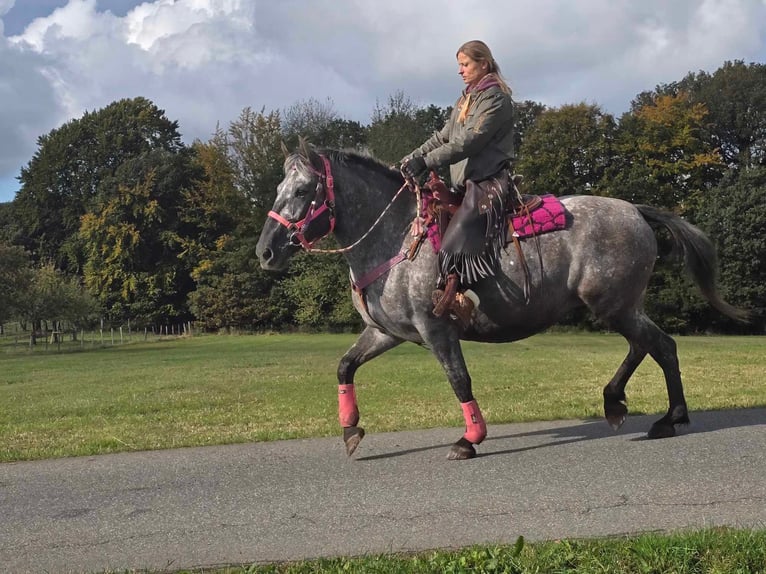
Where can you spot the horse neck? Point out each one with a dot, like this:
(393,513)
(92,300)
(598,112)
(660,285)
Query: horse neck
(361,197)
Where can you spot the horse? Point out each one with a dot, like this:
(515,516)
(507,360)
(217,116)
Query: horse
(602,260)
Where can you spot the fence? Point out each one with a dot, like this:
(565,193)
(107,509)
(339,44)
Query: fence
(17,337)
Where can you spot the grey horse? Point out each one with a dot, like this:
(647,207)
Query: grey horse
(602,260)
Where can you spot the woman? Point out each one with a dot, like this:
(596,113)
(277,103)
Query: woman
(477,144)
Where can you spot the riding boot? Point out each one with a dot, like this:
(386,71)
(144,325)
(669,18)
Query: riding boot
(460,304)
(471,246)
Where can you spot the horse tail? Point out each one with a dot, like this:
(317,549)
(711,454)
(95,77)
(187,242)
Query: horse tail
(699,257)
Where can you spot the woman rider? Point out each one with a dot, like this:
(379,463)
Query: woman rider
(477,144)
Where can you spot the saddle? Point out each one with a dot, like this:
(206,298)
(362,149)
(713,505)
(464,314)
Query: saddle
(441,202)
(525,216)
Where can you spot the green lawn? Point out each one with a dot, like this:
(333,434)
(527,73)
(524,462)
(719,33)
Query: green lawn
(220,389)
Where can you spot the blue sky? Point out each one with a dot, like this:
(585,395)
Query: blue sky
(204,61)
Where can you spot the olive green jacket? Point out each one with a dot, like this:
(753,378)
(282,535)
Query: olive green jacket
(481,146)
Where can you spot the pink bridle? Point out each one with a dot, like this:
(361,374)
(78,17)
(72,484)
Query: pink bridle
(299,228)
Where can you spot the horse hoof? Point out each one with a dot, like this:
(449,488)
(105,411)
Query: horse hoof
(661,431)
(462,450)
(615,421)
(352,436)
(616,413)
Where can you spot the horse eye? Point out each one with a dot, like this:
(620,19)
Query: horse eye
(301,192)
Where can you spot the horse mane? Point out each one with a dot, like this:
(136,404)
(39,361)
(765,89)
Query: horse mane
(366,161)
(353,158)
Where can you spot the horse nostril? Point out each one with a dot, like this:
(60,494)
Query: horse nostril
(267,255)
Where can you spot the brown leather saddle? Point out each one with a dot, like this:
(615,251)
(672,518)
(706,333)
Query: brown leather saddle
(445,201)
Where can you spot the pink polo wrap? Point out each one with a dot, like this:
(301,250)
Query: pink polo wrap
(348,412)
(475,427)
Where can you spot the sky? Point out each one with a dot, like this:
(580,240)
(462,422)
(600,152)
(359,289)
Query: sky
(204,61)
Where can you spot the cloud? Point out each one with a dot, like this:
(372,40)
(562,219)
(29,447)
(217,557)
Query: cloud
(203,61)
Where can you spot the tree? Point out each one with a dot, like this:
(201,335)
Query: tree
(525,115)
(15,279)
(320,124)
(134,240)
(63,180)
(662,158)
(735,97)
(734,215)
(53,296)
(242,163)
(253,146)
(400,126)
(567,150)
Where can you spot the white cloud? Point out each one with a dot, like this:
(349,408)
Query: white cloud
(203,61)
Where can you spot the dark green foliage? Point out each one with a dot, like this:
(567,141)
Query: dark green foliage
(65,177)
(734,215)
(15,279)
(401,126)
(567,150)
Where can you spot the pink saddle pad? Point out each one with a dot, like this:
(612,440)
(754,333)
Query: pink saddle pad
(548,216)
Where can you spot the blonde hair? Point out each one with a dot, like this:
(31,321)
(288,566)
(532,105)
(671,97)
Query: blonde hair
(480,52)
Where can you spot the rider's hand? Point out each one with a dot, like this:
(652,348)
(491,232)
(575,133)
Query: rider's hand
(414,166)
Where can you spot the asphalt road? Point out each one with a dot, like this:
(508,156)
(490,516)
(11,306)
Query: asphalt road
(302,499)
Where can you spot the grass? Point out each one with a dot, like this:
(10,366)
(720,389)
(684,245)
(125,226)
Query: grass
(213,390)
(222,389)
(710,551)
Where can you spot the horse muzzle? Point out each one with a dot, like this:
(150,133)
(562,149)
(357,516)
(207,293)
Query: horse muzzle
(275,249)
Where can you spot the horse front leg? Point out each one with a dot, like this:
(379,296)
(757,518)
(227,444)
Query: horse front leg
(369,345)
(450,355)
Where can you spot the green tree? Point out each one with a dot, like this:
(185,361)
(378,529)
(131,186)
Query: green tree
(243,162)
(53,296)
(734,215)
(735,97)
(15,279)
(320,124)
(64,178)
(525,115)
(567,150)
(662,158)
(135,237)
(253,146)
(400,126)
(319,288)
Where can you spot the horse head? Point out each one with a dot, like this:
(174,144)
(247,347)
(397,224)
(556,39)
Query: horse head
(303,212)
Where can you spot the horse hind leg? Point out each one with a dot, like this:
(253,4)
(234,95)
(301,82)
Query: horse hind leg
(615,408)
(646,337)
(370,344)
(446,348)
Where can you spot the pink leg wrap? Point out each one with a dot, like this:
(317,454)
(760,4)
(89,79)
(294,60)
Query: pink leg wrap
(348,413)
(475,427)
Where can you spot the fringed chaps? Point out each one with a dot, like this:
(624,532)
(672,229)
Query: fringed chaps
(472,244)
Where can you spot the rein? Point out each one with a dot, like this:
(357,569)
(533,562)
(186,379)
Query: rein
(366,233)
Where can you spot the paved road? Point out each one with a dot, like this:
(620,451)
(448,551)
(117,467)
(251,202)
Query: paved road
(304,498)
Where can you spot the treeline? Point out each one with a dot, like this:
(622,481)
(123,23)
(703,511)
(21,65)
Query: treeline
(116,218)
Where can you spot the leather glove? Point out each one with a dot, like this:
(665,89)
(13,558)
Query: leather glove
(414,166)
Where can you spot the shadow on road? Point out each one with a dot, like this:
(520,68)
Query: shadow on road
(702,422)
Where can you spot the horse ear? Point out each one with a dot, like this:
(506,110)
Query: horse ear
(304,147)
(284,149)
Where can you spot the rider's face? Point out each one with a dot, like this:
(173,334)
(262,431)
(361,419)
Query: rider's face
(470,70)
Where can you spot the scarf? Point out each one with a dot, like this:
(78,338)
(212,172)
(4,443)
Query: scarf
(465,103)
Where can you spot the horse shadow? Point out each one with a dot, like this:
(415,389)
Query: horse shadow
(598,429)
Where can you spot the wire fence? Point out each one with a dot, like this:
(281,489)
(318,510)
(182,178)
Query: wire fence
(16,337)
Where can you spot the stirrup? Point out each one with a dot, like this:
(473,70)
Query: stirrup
(444,299)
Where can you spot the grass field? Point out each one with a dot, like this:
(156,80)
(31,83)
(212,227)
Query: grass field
(213,390)
(713,551)
(221,389)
